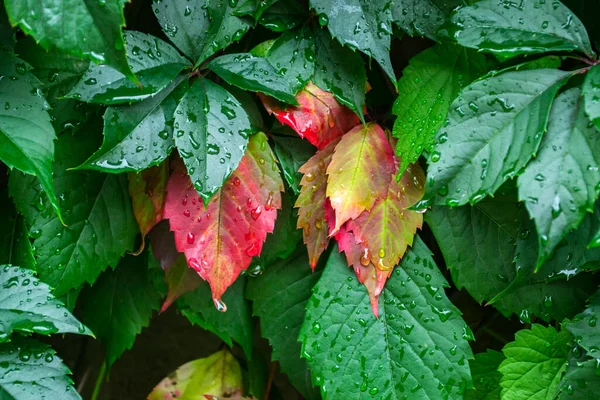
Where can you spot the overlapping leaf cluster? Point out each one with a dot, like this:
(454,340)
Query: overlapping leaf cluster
(150,168)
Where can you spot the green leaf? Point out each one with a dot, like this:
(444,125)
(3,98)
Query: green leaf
(58,72)
(26,134)
(283,16)
(562,183)
(211,134)
(478,242)
(99,224)
(419,344)
(154,62)
(83,28)
(584,327)
(426,89)
(423,17)
(365,25)
(591,94)
(32,370)
(26,305)
(534,363)
(512,29)
(15,247)
(486,377)
(139,135)
(293,56)
(580,381)
(494,128)
(340,71)
(120,304)
(233,324)
(292,153)
(279,298)
(254,74)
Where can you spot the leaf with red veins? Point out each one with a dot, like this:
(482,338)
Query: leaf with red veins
(147,191)
(360,171)
(180,280)
(311,203)
(319,118)
(389,228)
(220,240)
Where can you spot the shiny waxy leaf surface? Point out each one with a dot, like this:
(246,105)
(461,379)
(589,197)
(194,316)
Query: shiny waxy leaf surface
(425,91)
(359,173)
(584,329)
(220,238)
(27,305)
(494,128)
(318,118)
(591,94)
(100,226)
(82,28)
(509,29)
(561,184)
(423,17)
(211,133)
(154,62)
(418,345)
(364,25)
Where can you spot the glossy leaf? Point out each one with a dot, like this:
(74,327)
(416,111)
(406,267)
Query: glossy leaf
(84,29)
(534,363)
(340,71)
(584,329)
(283,15)
(319,118)
(311,203)
(27,376)
(200,29)
(562,183)
(426,89)
(418,345)
(216,376)
(26,134)
(385,232)
(100,226)
(27,305)
(120,304)
(423,17)
(154,62)
(364,25)
(139,135)
(495,127)
(580,381)
(359,172)
(512,29)
(293,56)
(219,239)
(211,134)
(591,94)
(148,191)
(254,74)
(486,377)
(234,325)
(281,313)
(292,153)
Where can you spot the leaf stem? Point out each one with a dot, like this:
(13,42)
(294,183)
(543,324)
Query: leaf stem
(99,381)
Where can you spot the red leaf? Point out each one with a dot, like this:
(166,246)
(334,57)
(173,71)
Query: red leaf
(360,172)
(220,241)
(311,203)
(385,232)
(147,191)
(319,118)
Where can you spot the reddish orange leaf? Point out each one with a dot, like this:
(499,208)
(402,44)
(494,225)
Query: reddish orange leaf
(319,118)
(385,232)
(220,241)
(360,172)
(311,203)
(147,191)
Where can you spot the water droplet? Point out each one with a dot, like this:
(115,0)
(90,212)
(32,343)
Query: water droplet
(190,238)
(219,305)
